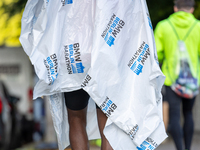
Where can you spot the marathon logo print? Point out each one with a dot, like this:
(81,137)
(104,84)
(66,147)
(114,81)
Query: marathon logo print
(86,81)
(149,20)
(51,64)
(133,131)
(158,101)
(113,29)
(148,144)
(55,103)
(108,107)
(47,2)
(33,21)
(136,63)
(72,59)
(64,2)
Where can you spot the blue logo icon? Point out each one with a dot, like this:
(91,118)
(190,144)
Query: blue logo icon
(150,24)
(138,64)
(112,30)
(69,1)
(64,2)
(109,40)
(146,146)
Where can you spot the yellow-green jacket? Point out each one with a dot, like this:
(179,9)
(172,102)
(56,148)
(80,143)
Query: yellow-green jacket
(166,43)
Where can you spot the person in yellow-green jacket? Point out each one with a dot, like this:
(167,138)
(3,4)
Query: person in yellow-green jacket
(181,25)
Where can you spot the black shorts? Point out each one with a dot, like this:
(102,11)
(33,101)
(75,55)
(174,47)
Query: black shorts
(163,91)
(76,100)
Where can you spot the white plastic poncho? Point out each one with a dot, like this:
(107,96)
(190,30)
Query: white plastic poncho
(107,48)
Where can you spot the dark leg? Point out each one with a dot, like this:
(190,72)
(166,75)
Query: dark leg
(77,127)
(174,117)
(105,145)
(76,102)
(188,127)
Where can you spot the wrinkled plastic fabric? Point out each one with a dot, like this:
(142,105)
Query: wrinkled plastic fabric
(125,79)
(60,120)
(55,33)
(57,36)
(107,48)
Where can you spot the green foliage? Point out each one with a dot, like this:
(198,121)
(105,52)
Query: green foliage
(11,11)
(10,22)
(197,9)
(160,10)
(14,7)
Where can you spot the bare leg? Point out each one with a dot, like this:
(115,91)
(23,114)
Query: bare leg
(77,129)
(105,145)
(165,114)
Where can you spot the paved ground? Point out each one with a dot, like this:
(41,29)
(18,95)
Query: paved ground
(166,145)
(169,145)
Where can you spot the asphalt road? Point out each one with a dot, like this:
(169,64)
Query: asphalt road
(166,145)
